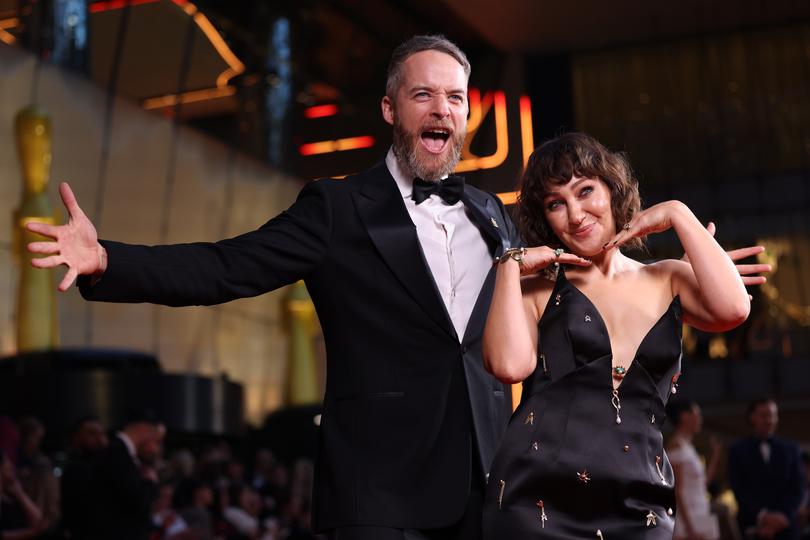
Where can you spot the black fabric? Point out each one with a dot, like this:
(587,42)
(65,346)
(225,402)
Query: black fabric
(449,189)
(776,485)
(122,498)
(467,528)
(12,515)
(567,411)
(76,496)
(404,394)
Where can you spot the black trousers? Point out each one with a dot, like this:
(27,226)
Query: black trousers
(468,528)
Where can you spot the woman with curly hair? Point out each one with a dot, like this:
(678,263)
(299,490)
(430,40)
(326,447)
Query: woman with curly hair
(595,336)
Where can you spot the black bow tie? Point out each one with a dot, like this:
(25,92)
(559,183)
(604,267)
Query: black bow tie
(450,189)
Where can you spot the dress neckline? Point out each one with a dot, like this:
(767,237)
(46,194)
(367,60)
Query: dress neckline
(675,300)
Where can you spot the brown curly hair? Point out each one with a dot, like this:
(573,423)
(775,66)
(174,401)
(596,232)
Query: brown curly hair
(553,164)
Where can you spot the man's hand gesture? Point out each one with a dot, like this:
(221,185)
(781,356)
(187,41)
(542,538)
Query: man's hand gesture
(75,244)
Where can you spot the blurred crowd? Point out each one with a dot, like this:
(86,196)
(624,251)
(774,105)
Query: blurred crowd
(768,476)
(120,485)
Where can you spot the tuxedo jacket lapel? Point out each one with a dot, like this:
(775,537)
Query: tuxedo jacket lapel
(484,212)
(382,210)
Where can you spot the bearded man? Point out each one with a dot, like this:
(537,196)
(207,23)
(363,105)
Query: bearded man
(398,261)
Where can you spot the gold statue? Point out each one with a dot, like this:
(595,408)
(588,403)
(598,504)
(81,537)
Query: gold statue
(301,325)
(36,301)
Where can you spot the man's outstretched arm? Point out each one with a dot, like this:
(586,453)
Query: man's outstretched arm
(283,250)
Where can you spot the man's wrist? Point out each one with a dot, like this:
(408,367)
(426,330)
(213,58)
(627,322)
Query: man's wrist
(95,277)
(102,260)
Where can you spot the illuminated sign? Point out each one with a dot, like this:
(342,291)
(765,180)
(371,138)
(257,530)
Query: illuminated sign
(338,145)
(492,103)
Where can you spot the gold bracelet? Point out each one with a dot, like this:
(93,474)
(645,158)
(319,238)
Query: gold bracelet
(516,254)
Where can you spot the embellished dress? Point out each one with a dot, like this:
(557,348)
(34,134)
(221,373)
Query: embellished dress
(580,460)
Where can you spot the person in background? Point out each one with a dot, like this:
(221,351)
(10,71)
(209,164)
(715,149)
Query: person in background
(767,478)
(20,518)
(196,510)
(124,482)
(87,439)
(804,508)
(166,523)
(35,469)
(9,437)
(693,520)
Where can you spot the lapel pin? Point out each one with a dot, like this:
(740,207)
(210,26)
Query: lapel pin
(494,223)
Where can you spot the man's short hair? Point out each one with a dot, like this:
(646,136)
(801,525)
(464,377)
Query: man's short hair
(418,44)
(677,408)
(757,403)
(141,416)
(77,426)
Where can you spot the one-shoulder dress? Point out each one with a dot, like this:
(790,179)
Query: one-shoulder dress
(579,460)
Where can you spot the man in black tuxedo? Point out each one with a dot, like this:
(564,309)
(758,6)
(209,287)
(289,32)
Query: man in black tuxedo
(398,261)
(767,477)
(124,482)
(87,440)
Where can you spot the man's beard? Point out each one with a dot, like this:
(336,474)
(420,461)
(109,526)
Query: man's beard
(424,165)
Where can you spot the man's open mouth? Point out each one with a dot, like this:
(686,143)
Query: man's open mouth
(434,139)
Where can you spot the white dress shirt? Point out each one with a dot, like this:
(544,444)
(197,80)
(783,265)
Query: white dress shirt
(133,453)
(765,451)
(454,248)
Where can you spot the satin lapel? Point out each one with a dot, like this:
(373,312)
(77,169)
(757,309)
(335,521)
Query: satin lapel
(484,212)
(380,206)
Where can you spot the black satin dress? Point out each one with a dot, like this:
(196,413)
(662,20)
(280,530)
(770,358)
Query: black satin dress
(566,468)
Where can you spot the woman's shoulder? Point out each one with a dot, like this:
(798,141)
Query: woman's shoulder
(669,272)
(651,280)
(665,267)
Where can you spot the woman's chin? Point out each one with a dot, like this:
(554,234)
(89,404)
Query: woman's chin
(588,252)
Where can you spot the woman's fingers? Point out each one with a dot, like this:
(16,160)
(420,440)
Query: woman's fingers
(628,232)
(754,280)
(570,258)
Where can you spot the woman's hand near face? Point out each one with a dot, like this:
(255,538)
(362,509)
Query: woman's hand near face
(710,287)
(537,258)
(655,219)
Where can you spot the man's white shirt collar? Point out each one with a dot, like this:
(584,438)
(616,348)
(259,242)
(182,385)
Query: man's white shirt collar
(402,176)
(130,446)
